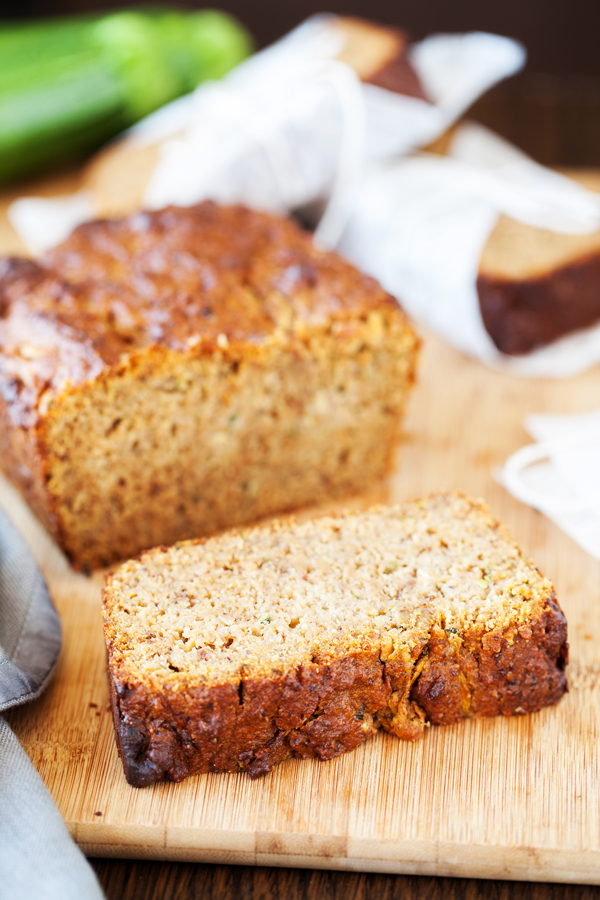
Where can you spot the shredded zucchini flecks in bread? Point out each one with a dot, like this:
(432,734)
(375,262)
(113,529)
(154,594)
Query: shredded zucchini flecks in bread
(395,616)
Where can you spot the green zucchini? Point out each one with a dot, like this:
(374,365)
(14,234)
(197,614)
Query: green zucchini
(69,85)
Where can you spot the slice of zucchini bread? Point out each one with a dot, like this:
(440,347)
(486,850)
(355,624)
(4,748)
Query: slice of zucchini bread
(302,639)
(177,372)
(537,286)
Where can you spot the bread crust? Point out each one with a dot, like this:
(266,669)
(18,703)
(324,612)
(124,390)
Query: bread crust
(521,316)
(536,286)
(329,707)
(399,76)
(501,672)
(380,55)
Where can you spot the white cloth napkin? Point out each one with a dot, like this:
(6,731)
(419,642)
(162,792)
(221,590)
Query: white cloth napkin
(292,128)
(560,474)
(419,226)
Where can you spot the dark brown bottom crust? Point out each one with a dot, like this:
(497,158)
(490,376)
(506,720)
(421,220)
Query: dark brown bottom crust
(520,316)
(324,709)
(399,76)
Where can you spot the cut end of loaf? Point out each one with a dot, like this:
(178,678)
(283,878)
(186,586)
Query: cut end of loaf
(179,444)
(303,638)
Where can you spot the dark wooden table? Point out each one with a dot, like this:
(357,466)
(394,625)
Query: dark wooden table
(134,880)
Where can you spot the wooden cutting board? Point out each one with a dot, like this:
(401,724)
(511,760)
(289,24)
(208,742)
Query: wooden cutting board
(504,798)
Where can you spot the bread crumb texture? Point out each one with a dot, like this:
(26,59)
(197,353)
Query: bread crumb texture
(171,374)
(303,638)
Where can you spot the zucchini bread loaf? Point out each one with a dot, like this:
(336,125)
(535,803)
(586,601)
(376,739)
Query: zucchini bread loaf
(176,372)
(302,639)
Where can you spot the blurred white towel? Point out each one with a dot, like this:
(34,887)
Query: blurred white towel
(560,475)
(293,127)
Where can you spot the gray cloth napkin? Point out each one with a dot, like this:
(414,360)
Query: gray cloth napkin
(38,858)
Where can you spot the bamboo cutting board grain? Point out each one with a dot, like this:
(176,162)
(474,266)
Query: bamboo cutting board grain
(503,798)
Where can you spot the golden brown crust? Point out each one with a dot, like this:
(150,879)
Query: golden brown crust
(323,710)
(317,710)
(523,315)
(118,287)
(502,672)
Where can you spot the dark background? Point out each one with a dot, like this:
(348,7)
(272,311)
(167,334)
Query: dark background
(551,110)
(562,37)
